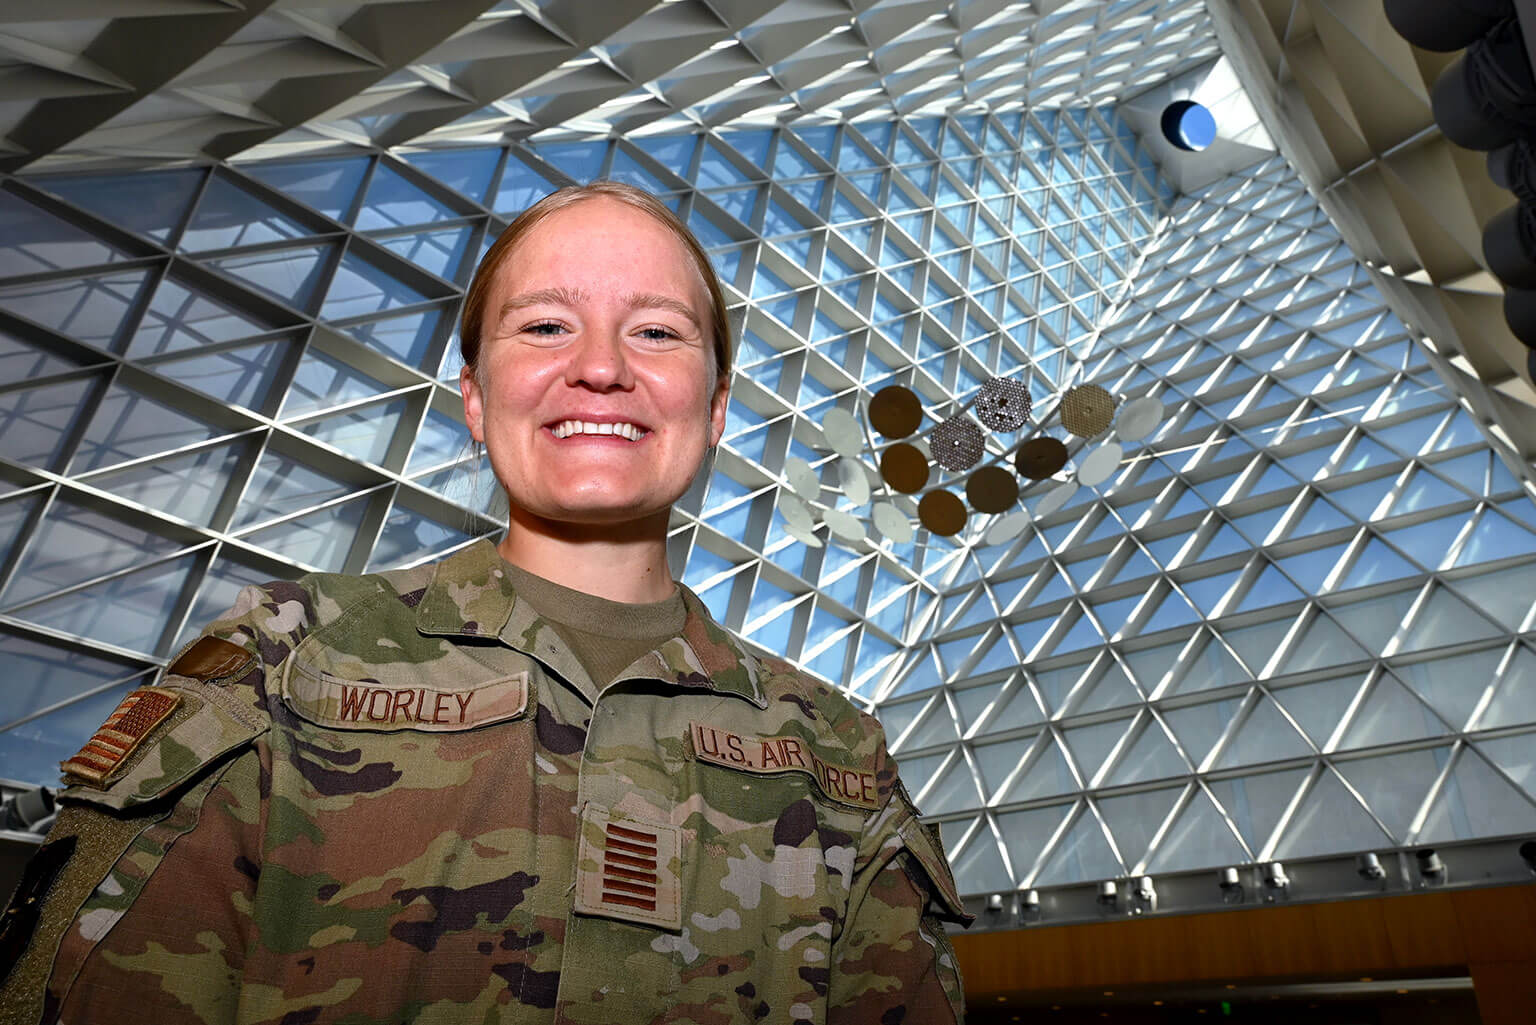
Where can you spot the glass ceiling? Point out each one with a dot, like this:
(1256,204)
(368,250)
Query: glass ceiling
(1293,621)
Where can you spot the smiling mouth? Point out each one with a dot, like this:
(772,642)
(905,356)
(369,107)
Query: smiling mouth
(571,428)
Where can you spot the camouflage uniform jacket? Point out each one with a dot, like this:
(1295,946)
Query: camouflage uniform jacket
(380,799)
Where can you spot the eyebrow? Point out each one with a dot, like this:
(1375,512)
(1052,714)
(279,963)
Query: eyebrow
(561,296)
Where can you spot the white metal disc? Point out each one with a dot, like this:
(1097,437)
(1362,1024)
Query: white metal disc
(855,480)
(1139,418)
(803,478)
(893,523)
(795,513)
(805,537)
(1100,464)
(844,525)
(1056,498)
(843,432)
(1007,528)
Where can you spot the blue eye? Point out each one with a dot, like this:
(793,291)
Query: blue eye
(546,328)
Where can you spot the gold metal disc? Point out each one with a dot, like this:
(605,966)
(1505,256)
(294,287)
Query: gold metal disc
(1087,410)
(904,468)
(895,411)
(992,489)
(1040,458)
(942,512)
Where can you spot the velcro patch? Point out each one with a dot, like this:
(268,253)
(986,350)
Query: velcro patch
(629,870)
(344,704)
(125,729)
(766,755)
(213,658)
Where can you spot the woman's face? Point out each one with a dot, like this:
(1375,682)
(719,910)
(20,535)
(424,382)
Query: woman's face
(596,396)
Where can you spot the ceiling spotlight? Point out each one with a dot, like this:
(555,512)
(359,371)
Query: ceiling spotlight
(1144,894)
(1369,867)
(1231,885)
(1275,877)
(1528,852)
(1108,893)
(1030,901)
(995,904)
(1431,868)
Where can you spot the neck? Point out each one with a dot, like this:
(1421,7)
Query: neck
(624,562)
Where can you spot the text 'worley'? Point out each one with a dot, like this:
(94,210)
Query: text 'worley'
(382,705)
(783,754)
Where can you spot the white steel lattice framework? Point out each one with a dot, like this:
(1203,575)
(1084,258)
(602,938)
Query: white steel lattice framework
(1291,625)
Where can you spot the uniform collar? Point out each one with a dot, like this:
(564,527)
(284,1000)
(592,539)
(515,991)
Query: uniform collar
(472,596)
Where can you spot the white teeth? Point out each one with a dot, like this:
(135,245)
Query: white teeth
(566,428)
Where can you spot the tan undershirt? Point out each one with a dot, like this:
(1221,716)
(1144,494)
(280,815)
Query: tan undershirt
(605,636)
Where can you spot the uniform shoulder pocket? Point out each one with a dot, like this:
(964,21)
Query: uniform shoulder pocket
(160,737)
(922,842)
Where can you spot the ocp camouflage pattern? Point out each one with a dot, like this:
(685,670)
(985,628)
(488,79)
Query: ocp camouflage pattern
(296,846)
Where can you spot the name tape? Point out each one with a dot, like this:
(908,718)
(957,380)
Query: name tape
(327,701)
(766,755)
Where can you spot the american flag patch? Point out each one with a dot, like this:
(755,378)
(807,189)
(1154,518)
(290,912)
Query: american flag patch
(125,729)
(629,870)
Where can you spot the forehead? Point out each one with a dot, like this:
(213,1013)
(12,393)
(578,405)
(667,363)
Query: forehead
(602,240)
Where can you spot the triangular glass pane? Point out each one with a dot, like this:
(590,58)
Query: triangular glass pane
(242,376)
(1255,803)
(1198,727)
(280,485)
(1375,621)
(1200,838)
(128,424)
(1319,707)
(1377,564)
(1324,643)
(1046,776)
(131,611)
(321,539)
(955,790)
(1026,833)
(1515,700)
(521,186)
(1265,737)
(151,203)
(1390,714)
(38,422)
(180,317)
(979,868)
(33,241)
(189,486)
(1477,802)
(937,727)
(1152,756)
(359,287)
(998,761)
(1134,820)
(1394,786)
(1091,744)
(1445,619)
(439,252)
(328,185)
(93,310)
(364,433)
(1256,645)
(322,381)
(393,202)
(1329,820)
(229,216)
(1515,756)
(1494,537)
(1081,856)
(74,544)
(409,537)
(466,171)
(1506,594)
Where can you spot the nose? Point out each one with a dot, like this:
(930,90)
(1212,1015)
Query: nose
(599,361)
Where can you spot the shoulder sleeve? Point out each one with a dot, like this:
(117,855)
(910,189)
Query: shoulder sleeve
(136,791)
(892,960)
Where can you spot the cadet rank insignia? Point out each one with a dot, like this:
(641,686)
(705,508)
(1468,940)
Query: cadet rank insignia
(122,733)
(629,870)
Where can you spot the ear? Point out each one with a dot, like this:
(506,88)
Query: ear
(474,407)
(717,405)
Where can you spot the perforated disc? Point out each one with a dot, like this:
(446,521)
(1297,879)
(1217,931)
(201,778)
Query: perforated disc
(992,489)
(893,523)
(1003,404)
(957,443)
(1100,464)
(1087,410)
(843,432)
(844,525)
(895,411)
(942,512)
(904,468)
(1040,458)
(803,478)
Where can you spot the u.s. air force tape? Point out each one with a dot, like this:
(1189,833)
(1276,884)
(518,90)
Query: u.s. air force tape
(766,755)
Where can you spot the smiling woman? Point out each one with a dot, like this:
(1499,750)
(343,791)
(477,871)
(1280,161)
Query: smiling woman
(535,782)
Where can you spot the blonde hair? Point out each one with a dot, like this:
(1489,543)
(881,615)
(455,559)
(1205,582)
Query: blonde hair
(473,316)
